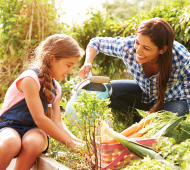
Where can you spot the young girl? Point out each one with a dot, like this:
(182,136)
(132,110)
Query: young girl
(159,65)
(31,108)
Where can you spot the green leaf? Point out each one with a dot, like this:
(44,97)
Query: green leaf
(167,128)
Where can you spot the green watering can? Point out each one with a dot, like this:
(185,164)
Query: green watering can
(90,84)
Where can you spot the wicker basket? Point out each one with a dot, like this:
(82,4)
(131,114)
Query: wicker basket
(116,156)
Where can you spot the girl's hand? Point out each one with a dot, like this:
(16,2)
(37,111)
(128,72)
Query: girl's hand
(77,147)
(84,71)
(78,140)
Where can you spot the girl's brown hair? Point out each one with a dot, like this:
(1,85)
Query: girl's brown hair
(61,46)
(161,34)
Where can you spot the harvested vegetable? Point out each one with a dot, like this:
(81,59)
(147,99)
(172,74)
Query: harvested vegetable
(156,125)
(167,128)
(143,123)
(133,130)
(133,147)
(157,121)
(135,127)
(137,134)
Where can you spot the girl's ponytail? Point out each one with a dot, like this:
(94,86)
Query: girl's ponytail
(47,86)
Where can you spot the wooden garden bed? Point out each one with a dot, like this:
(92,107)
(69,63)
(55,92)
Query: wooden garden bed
(43,163)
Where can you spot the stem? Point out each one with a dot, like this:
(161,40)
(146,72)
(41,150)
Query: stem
(95,150)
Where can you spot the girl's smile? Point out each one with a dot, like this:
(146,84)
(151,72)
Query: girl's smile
(60,68)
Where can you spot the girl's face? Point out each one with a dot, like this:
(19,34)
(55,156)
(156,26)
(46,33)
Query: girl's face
(146,50)
(60,68)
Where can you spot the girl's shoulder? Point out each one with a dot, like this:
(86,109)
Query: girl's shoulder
(35,75)
(13,95)
(29,73)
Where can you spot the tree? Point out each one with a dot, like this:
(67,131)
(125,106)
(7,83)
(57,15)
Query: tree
(123,9)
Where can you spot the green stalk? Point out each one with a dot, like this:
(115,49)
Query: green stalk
(168,127)
(134,147)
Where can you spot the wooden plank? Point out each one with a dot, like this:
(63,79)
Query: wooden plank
(43,163)
(12,165)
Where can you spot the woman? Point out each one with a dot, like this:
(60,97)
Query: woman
(159,65)
(31,109)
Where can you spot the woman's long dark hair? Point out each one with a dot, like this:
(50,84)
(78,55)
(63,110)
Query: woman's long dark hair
(161,34)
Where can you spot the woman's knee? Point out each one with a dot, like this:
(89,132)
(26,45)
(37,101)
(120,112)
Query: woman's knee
(176,106)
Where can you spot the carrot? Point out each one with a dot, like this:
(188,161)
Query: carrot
(137,134)
(131,132)
(139,131)
(143,123)
(135,127)
(132,129)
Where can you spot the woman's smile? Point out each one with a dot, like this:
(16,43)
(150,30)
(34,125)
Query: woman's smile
(140,57)
(146,50)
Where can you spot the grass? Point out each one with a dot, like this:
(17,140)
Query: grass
(64,155)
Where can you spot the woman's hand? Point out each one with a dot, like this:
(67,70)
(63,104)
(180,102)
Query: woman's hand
(90,54)
(84,71)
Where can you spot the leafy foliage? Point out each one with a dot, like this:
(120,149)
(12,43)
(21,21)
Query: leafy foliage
(177,153)
(147,164)
(122,118)
(91,110)
(68,89)
(123,9)
(24,24)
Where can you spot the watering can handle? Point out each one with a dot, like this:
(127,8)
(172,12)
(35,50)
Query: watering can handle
(99,79)
(94,79)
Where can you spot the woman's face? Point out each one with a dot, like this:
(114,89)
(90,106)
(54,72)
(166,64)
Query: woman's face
(60,68)
(146,50)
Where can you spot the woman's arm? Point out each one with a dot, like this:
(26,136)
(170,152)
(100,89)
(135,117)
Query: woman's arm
(57,120)
(119,47)
(90,55)
(31,92)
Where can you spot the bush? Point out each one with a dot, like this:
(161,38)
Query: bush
(24,24)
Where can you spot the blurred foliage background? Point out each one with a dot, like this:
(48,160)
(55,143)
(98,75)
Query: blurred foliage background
(25,23)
